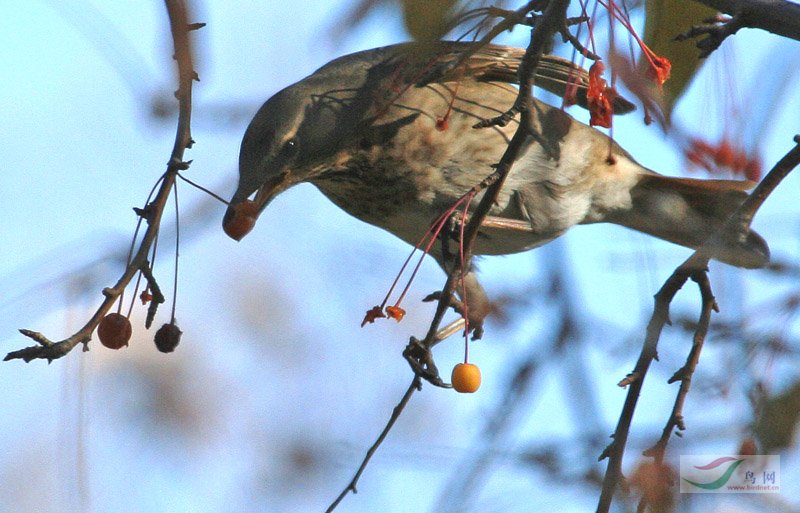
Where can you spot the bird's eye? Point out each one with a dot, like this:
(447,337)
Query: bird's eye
(290,148)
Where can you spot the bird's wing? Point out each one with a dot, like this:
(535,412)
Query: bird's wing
(496,63)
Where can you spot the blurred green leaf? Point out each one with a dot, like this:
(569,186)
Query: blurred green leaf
(776,427)
(427,20)
(665,19)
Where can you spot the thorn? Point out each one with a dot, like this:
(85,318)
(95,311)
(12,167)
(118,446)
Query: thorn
(195,26)
(629,379)
(180,165)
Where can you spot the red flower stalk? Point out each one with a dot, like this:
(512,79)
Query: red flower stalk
(599,97)
(658,67)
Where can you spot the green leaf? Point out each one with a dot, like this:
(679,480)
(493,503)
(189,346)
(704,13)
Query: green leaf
(665,19)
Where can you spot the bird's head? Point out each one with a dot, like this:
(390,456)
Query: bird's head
(292,139)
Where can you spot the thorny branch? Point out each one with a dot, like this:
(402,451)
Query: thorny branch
(684,374)
(180,28)
(780,17)
(694,267)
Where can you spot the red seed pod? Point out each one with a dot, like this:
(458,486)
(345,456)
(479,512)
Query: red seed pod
(725,155)
(168,337)
(395,312)
(243,220)
(114,331)
(752,170)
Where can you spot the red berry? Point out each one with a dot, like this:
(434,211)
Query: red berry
(243,220)
(114,331)
(168,337)
(466,378)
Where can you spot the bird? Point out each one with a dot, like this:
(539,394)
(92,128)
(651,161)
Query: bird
(389,135)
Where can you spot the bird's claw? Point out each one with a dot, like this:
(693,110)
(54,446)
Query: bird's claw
(475,323)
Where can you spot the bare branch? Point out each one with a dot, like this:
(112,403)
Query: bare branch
(777,16)
(416,384)
(180,28)
(685,373)
(694,267)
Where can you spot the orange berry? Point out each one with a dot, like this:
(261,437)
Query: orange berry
(243,220)
(114,331)
(167,337)
(395,312)
(466,378)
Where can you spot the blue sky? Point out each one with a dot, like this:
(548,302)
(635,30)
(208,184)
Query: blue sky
(275,392)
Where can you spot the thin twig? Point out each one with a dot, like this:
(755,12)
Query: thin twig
(180,27)
(416,384)
(781,17)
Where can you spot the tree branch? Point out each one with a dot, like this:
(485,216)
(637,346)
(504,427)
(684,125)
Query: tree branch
(779,17)
(180,27)
(694,267)
(416,384)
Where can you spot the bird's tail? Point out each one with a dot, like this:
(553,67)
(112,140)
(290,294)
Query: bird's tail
(688,211)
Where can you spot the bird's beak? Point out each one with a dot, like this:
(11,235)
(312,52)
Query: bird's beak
(242,213)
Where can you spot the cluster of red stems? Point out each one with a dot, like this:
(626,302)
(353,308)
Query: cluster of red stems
(721,156)
(600,95)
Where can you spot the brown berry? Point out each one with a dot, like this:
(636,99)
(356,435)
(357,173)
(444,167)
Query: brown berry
(466,378)
(114,331)
(168,337)
(242,221)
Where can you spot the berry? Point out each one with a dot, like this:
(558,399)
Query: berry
(395,312)
(466,378)
(168,337)
(243,220)
(114,331)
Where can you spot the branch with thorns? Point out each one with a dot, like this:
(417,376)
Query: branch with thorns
(151,213)
(713,32)
(695,267)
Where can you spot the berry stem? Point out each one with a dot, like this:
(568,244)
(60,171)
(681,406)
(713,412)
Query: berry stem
(177,253)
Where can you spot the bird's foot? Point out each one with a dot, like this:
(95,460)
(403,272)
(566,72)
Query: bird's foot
(475,322)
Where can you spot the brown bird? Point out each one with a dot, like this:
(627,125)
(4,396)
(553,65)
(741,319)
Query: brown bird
(387,134)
